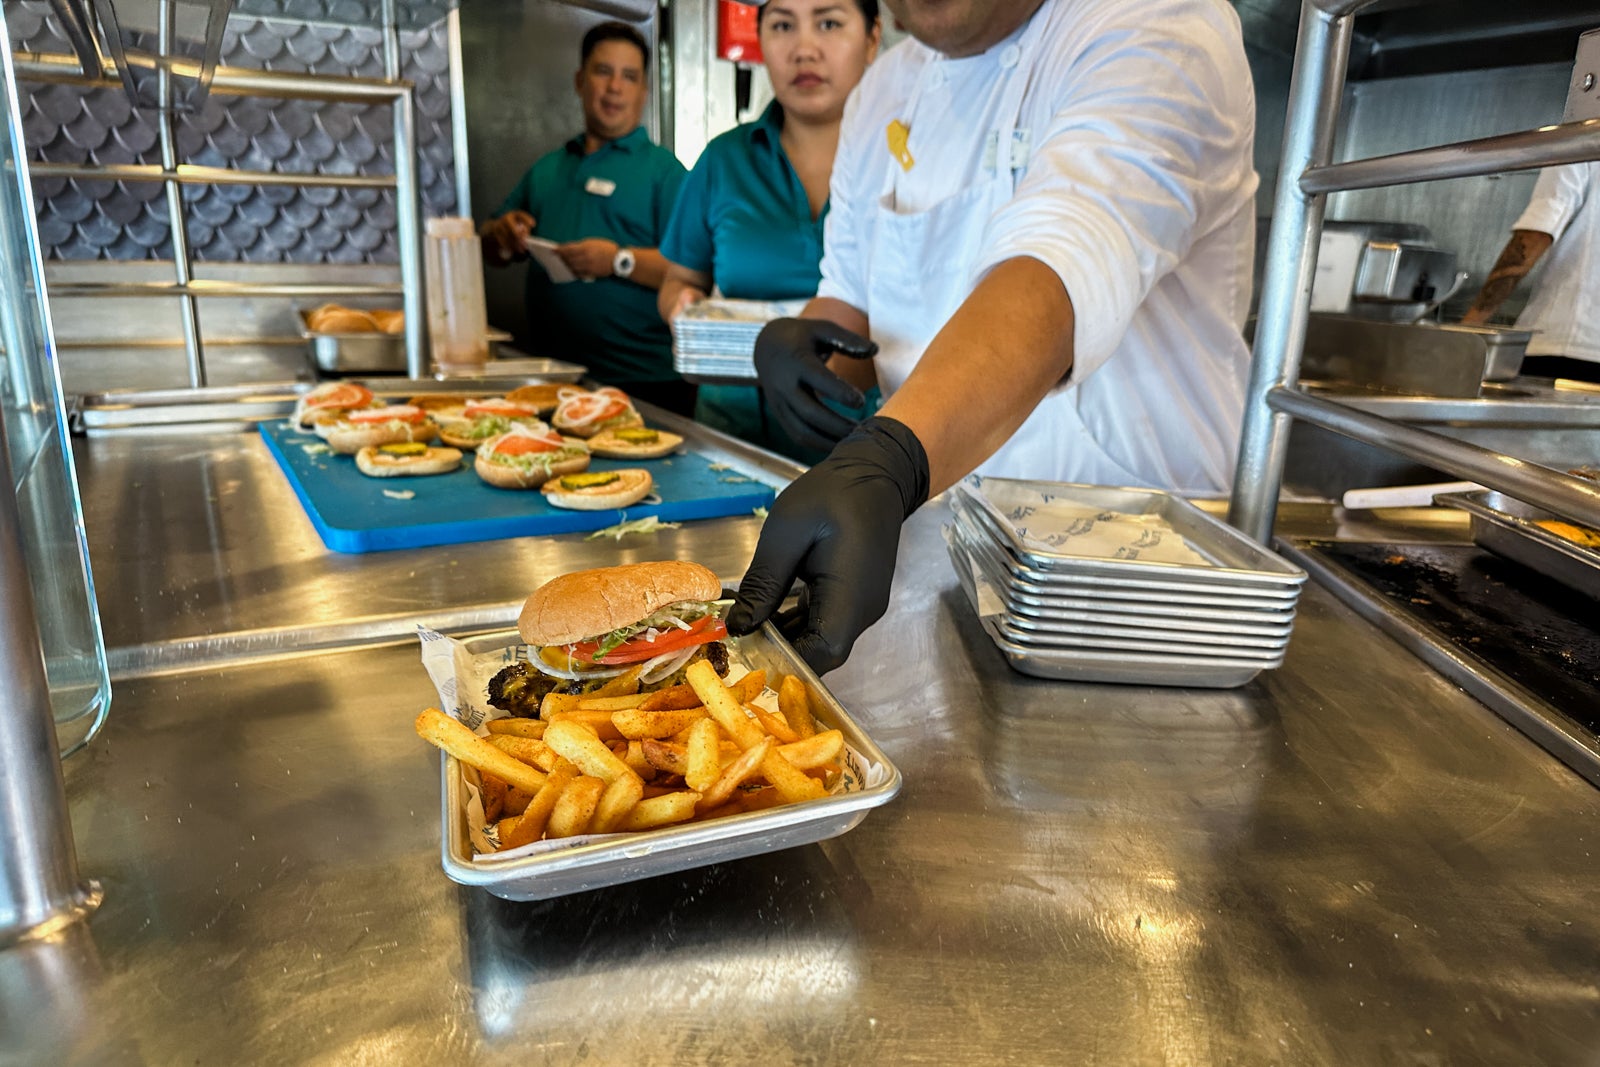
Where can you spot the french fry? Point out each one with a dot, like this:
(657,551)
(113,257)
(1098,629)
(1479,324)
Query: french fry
(517,800)
(527,749)
(750,686)
(730,808)
(598,723)
(574,808)
(503,829)
(638,725)
(622,685)
(621,703)
(796,707)
(773,724)
(517,727)
(702,767)
(758,799)
(618,799)
(557,702)
(636,761)
(656,789)
(815,751)
(672,698)
(735,774)
(437,728)
(723,706)
(531,826)
(665,756)
(492,792)
(572,740)
(660,811)
(792,784)
(681,737)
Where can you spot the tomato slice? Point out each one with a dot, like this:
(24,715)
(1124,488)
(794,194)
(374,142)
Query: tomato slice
(517,444)
(701,631)
(594,407)
(400,412)
(339,395)
(507,409)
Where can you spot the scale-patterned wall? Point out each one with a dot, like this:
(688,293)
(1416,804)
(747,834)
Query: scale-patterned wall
(85,220)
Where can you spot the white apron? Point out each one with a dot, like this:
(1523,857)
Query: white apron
(920,271)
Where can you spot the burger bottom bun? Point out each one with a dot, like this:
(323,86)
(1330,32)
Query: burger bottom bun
(431,402)
(633,486)
(503,477)
(622,422)
(457,440)
(376,463)
(543,397)
(347,439)
(607,443)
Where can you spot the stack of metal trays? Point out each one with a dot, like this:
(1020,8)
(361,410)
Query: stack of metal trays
(1100,584)
(716,338)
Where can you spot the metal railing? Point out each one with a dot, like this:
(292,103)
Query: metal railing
(1306,178)
(227,81)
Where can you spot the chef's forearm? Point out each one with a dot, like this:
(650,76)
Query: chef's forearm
(1522,253)
(1006,347)
(649,268)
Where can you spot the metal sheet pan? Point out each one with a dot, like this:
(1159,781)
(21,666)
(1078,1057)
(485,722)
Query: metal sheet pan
(1115,640)
(621,858)
(1128,669)
(1238,560)
(1506,526)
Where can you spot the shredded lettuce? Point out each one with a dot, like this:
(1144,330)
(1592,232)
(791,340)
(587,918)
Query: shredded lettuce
(527,461)
(648,524)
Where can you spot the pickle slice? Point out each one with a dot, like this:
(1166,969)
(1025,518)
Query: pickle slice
(638,435)
(588,480)
(404,448)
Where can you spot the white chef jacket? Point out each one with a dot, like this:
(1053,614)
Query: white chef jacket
(1134,182)
(1564,308)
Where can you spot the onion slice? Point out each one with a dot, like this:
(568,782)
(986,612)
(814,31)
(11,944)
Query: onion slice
(667,664)
(538,663)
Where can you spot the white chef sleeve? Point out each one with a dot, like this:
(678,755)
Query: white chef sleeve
(1144,137)
(1557,196)
(844,275)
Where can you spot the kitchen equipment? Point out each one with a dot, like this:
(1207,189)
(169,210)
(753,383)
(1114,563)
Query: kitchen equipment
(1508,527)
(457,315)
(354,513)
(1382,270)
(714,340)
(1403,496)
(1412,359)
(614,858)
(1439,301)
(371,352)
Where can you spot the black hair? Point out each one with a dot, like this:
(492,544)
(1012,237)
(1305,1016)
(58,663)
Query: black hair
(868,9)
(621,31)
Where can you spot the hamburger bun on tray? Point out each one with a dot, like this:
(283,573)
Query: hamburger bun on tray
(406,459)
(584,604)
(599,490)
(355,430)
(329,400)
(526,458)
(332,318)
(634,442)
(390,322)
(543,397)
(584,414)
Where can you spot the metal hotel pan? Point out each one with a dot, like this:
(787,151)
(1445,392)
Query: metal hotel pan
(1506,526)
(620,858)
(1194,672)
(1240,562)
(1043,641)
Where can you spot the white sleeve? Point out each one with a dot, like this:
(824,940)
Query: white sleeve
(1145,135)
(1557,196)
(844,275)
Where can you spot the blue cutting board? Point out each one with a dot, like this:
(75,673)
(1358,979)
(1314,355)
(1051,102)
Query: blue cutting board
(352,514)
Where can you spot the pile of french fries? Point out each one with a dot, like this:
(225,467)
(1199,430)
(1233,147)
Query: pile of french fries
(618,761)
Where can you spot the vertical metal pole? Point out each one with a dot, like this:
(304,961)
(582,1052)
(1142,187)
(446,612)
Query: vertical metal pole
(190,313)
(408,203)
(39,885)
(1315,95)
(458,114)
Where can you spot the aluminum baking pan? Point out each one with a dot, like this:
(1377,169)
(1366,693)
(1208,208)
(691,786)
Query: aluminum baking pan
(977,529)
(1238,560)
(1127,669)
(1507,527)
(1044,631)
(629,857)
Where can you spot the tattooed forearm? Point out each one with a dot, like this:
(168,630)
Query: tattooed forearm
(1521,254)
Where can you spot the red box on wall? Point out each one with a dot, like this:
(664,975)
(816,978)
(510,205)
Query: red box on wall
(737,38)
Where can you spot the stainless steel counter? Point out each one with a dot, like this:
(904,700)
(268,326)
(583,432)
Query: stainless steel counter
(1348,861)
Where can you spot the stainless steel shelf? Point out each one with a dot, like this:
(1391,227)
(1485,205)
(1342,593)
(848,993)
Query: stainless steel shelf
(189,174)
(1574,142)
(201,287)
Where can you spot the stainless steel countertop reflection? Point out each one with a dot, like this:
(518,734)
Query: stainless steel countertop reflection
(1347,861)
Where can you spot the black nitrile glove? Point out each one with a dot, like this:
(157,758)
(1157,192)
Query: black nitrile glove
(837,527)
(792,363)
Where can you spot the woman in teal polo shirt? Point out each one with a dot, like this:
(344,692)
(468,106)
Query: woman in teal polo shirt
(749,218)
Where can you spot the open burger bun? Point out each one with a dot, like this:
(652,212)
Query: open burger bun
(348,438)
(629,487)
(502,477)
(634,442)
(376,462)
(583,604)
(543,397)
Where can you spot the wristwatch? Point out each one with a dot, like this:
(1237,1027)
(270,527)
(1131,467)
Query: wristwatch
(622,263)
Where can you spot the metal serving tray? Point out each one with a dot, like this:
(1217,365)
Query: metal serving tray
(1505,526)
(1194,672)
(1041,641)
(367,351)
(1239,561)
(998,560)
(620,858)
(1032,630)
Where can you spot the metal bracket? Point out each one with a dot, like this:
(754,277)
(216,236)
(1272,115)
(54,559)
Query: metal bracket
(1583,95)
(147,37)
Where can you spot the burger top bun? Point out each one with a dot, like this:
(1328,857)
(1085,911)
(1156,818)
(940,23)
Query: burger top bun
(393,322)
(585,604)
(331,318)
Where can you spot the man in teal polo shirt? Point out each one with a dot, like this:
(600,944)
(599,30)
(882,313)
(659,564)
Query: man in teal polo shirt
(605,198)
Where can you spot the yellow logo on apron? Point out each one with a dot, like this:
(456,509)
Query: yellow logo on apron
(899,133)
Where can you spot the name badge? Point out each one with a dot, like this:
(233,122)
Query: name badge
(599,187)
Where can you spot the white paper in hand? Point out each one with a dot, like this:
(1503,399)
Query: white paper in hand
(544,253)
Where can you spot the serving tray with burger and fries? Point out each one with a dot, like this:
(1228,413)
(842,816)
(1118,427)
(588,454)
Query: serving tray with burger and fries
(446,468)
(620,733)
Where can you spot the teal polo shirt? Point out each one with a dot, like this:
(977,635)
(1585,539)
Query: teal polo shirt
(743,217)
(624,191)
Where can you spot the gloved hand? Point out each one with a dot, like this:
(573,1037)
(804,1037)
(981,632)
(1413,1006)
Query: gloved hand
(791,361)
(837,527)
